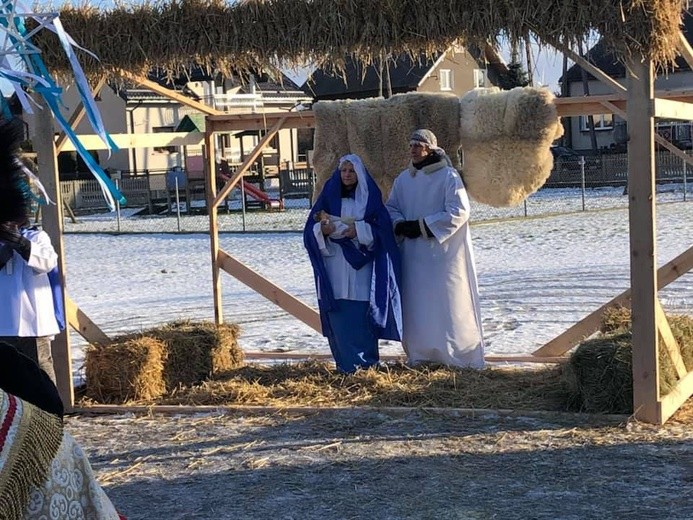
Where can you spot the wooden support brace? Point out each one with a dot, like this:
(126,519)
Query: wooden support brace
(170,94)
(77,116)
(590,324)
(223,193)
(671,402)
(272,292)
(81,323)
(669,341)
(658,138)
(685,49)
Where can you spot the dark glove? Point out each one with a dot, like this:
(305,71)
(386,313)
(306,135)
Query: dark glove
(408,228)
(10,234)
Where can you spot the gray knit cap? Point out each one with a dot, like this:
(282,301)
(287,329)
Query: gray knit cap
(424,136)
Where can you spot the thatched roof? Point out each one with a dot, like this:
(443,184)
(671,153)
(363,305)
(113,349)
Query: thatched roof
(254,34)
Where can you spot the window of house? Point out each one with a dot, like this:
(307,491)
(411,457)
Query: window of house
(479,78)
(164,149)
(601,122)
(445,79)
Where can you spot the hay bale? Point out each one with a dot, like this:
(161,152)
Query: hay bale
(599,375)
(506,138)
(615,318)
(131,368)
(197,351)
(143,367)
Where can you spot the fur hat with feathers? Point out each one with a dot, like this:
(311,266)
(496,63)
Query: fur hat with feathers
(14,199)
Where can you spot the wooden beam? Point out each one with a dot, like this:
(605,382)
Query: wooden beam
(643,252)
(590,324)
(593,105)
(249,160)
(671,402)
(658,138)
(672,109)
(81,323)
(94,142)
(211,189)
(685,49)
(669,341)
(402,357)
(171,94)
(52,223)
(272,292)
(78,115)
(589,67)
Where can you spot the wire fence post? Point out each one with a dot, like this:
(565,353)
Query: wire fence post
(582,180)
(178,204)
(525,205)
(117,184)
(685,180)
(243,202)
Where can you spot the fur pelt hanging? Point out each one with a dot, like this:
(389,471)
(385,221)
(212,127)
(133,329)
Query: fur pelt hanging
(15,199)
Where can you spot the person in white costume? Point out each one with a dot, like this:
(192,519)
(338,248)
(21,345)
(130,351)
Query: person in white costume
(28,319)
(430,210)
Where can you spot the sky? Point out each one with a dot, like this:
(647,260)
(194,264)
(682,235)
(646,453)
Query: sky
(537,277)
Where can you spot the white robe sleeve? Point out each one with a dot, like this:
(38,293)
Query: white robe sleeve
(393,205)
(457,209)
(364,233)
(43,257)
(320,238)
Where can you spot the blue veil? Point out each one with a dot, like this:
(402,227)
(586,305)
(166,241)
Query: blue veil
(385,302)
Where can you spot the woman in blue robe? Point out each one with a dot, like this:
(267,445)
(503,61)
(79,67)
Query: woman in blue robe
(356,263)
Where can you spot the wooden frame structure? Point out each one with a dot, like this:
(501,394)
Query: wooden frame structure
(638,105)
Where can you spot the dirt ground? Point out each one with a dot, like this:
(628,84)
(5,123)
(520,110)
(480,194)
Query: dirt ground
(358,464)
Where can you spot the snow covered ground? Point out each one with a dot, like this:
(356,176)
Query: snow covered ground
(537,277)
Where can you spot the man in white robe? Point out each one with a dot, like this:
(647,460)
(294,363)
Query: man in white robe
(430,210)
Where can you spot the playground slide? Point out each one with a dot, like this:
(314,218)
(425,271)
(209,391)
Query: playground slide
(260,195)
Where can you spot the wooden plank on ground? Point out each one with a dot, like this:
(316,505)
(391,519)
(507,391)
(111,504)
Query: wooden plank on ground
(272,292)
(590,323)
(83,325)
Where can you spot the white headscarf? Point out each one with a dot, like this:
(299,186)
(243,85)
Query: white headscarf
(361,193)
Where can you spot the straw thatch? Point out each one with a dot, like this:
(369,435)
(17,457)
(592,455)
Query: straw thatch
(145,366)
(599,375)
(256,34)
(316,384)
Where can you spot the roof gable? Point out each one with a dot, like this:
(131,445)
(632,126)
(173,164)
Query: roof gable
(359,80)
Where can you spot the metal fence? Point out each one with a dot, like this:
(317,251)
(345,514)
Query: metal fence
(155,206)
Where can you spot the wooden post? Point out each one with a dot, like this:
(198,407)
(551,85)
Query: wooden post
(52,222)
(213,225)
(643,257)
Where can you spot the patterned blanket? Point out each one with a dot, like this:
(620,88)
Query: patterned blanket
(44,474)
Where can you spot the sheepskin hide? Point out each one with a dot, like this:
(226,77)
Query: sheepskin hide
(506,139)
(378,130)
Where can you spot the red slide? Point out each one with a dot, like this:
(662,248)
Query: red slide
(260,195)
